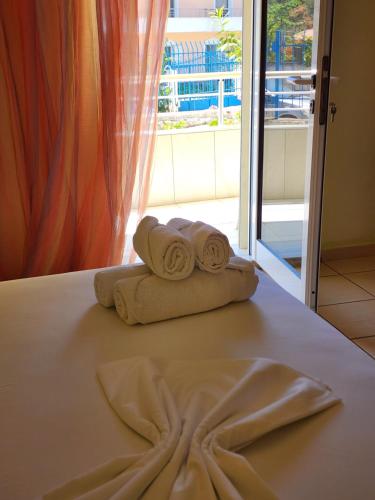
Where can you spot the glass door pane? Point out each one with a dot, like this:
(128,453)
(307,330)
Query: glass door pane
(286,115)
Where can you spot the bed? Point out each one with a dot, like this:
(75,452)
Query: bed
(55,422)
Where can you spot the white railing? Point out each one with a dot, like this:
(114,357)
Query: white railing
(174,97)
(201,12)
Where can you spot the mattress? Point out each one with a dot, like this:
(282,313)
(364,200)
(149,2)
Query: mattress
(55,422)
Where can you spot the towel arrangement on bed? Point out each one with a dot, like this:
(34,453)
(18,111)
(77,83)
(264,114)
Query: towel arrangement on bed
(189,267)
(195,416)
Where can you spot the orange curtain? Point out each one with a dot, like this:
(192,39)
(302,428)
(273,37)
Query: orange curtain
(78,93)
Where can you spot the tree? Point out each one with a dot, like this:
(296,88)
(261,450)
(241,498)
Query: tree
(289,15)
(286,15)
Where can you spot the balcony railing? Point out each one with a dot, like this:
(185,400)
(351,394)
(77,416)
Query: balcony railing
(199,12)
(284,99)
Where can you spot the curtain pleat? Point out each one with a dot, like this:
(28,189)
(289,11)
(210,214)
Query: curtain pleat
(78,91)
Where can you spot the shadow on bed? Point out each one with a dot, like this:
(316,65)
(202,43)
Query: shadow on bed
(302,440)
(223,332)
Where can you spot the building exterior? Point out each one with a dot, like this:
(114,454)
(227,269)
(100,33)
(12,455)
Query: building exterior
(190,20)
(201,8)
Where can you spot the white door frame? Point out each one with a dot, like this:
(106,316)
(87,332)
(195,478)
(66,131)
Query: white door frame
(245,221)
(318,147)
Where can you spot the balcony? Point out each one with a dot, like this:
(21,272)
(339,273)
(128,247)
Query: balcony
(196,171)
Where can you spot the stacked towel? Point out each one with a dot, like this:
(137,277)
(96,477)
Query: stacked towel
(164,249)
(174,280)
(212,249)
(104,281)
(148,298)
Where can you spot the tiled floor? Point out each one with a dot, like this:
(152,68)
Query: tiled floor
(347,298)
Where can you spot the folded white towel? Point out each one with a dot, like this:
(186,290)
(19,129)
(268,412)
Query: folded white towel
(211,246)
(196,416)
(165,250)
(105,280)
(148,298)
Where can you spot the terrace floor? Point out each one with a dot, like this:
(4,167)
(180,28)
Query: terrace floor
(224,214)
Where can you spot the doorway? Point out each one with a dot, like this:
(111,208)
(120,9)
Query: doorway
(268,112)
(196,168)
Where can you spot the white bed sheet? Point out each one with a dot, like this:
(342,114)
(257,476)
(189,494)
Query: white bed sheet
(55,422)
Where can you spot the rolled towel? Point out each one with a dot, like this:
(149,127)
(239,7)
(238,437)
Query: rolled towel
(241,264)
(105,280)
(211,246)
(148,298)
(164,249)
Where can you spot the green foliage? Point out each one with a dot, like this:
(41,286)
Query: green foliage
(227,121)
(164,104)
(164,90)
(229,41)
(289,15)
(308,52)
(232,46)
(166,60)
(174,125)
(181,124)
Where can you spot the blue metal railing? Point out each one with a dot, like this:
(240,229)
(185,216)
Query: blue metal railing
(206,57)
(197,57)
(200,57)
(284,53)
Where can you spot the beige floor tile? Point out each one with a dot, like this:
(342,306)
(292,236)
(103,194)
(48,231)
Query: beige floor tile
(325,270)
(337,290)
(353,265)
(354,319)
(364,280)
(367,344)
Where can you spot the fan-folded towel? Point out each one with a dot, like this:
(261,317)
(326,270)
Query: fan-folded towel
(105,280)
(196,416)
(148,298)
(165,250)
(211,246)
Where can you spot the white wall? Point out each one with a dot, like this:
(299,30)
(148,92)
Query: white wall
(194,166)
(349,184)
